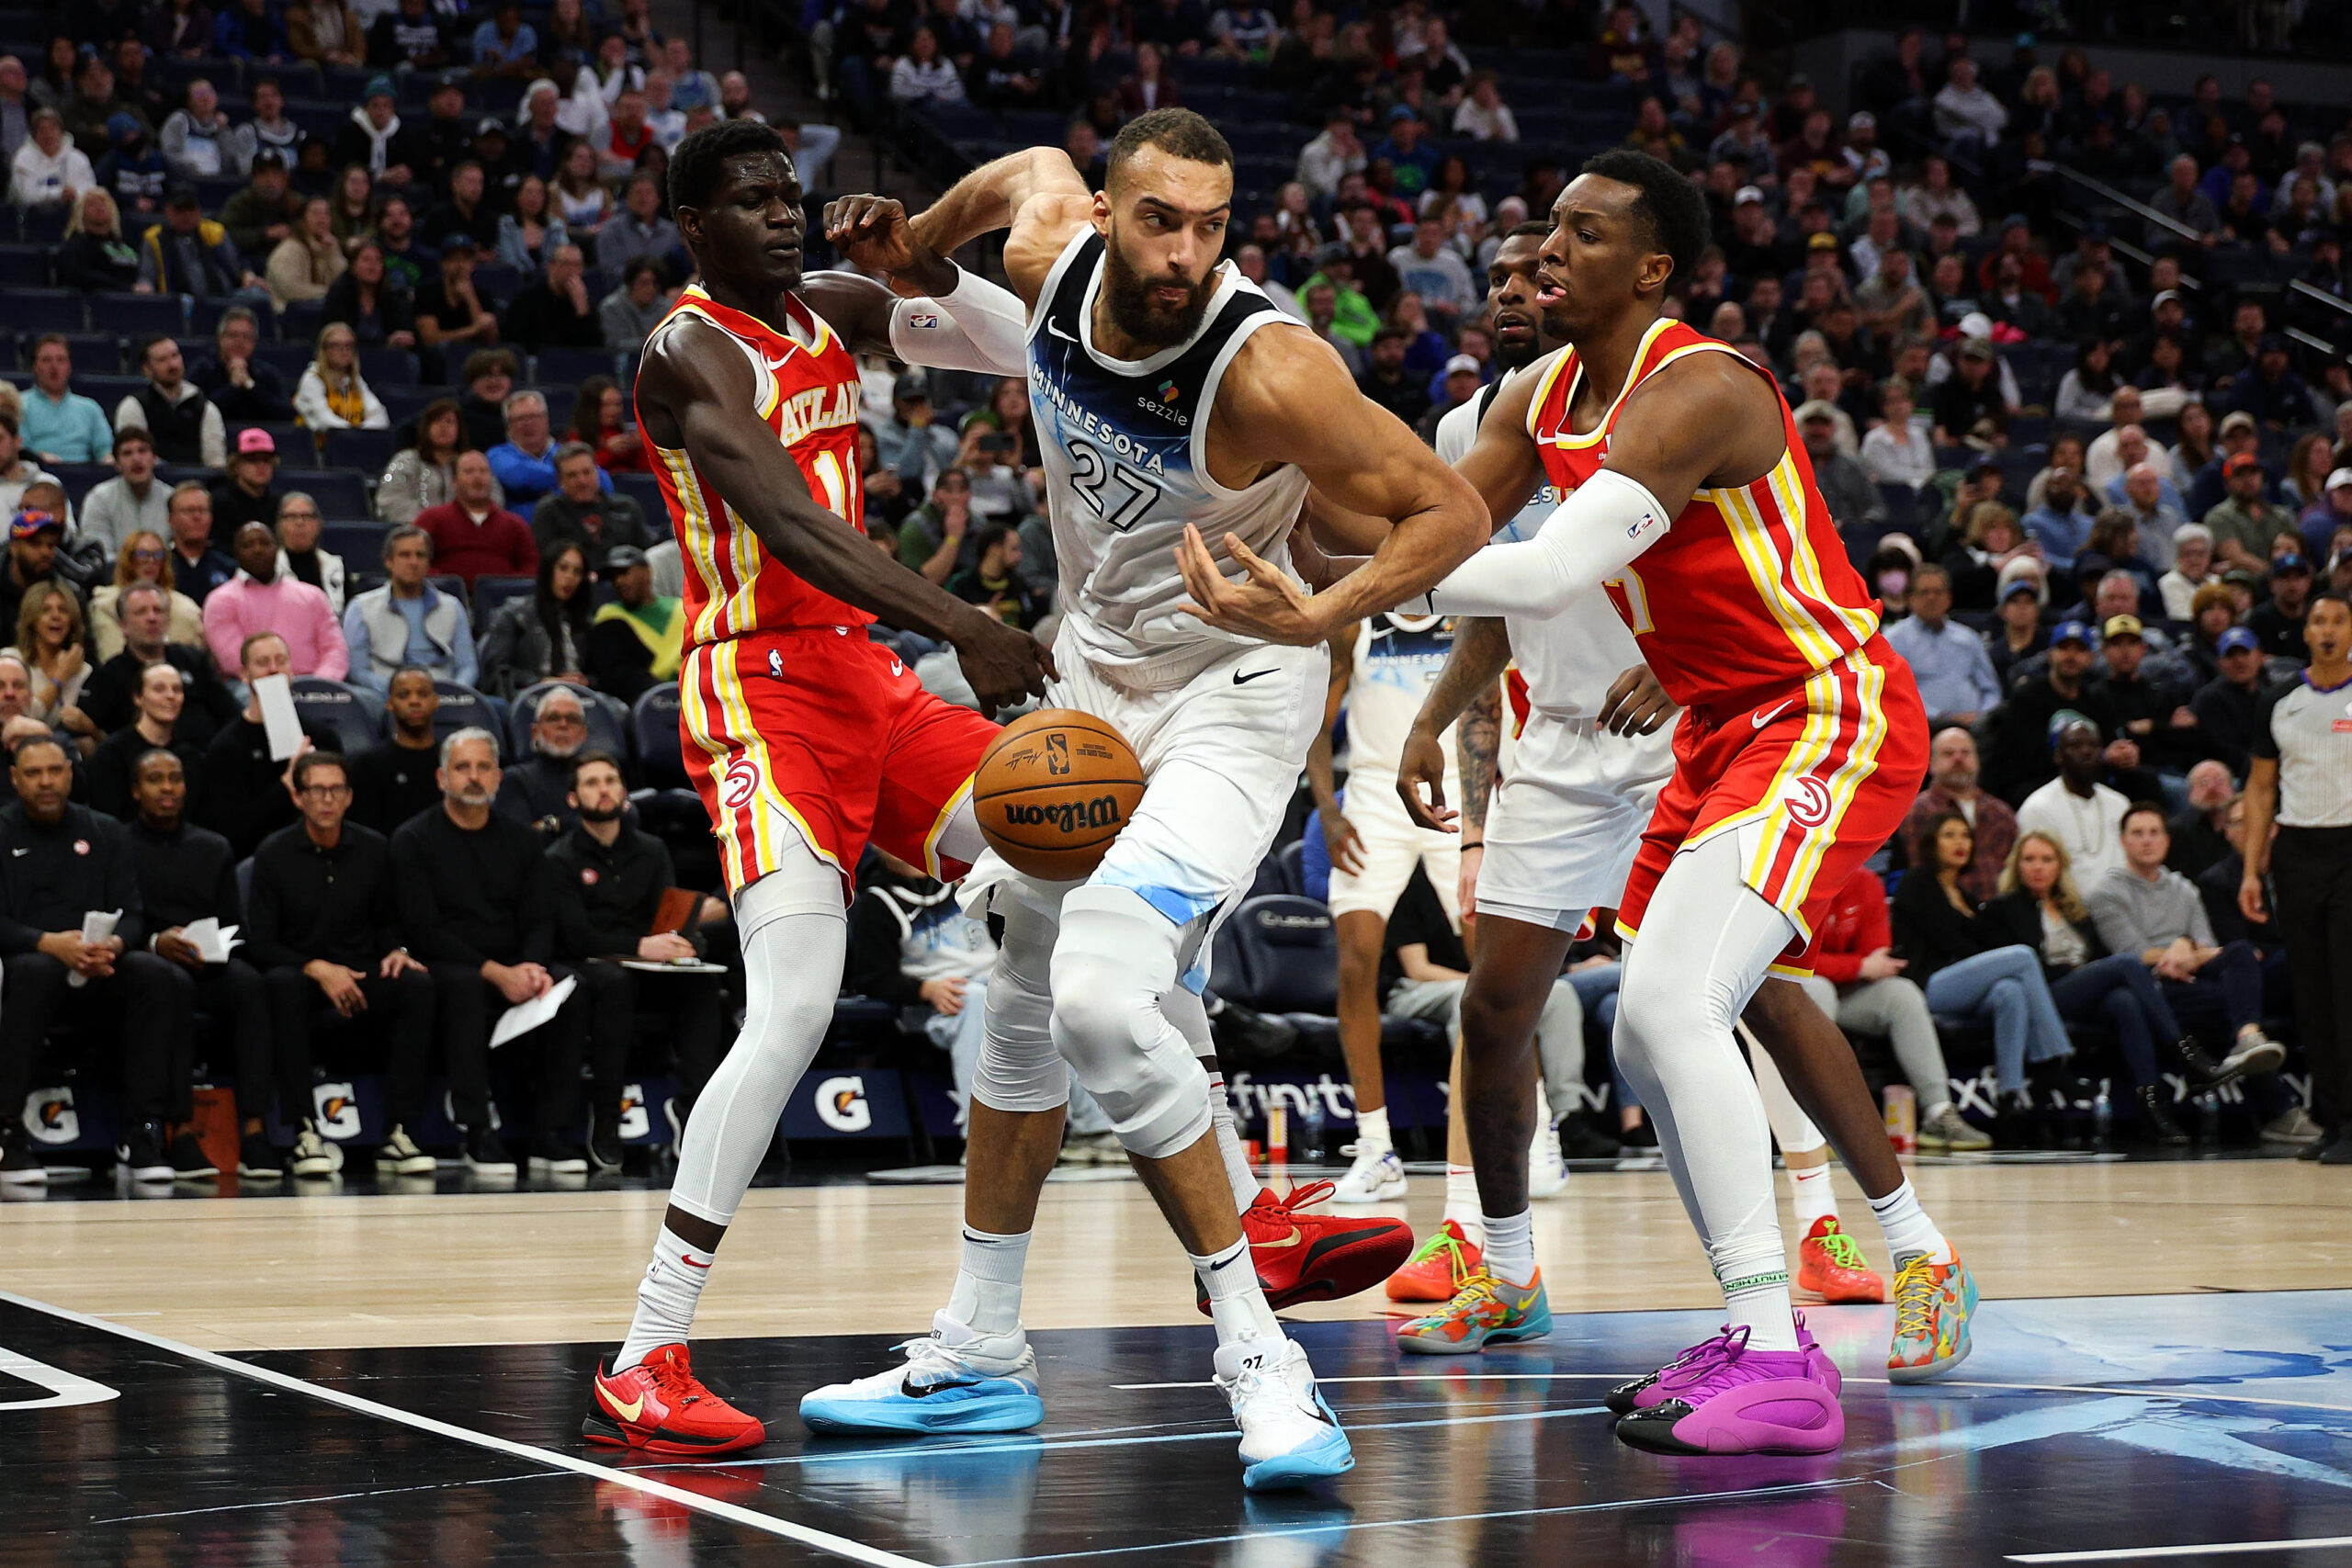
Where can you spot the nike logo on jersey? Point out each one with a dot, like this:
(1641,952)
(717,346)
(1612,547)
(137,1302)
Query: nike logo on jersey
(1761,719)
(1238,680)
(1056,332)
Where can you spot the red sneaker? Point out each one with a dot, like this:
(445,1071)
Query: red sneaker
(1442,1267)
(660,1406)
(1831,1266)
(1316,1257)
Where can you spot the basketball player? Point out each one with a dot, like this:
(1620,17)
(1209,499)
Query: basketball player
(1798,752)
(804,739)
(1169,391)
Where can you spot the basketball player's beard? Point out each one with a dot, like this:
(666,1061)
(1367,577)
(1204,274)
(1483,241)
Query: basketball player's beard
(1127,293)
(1511,356)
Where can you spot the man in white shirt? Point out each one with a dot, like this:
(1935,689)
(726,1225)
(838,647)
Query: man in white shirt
(132,499)
(2076,809)
(1966,115)
(1332,156)
(1435,271)
(2104,461)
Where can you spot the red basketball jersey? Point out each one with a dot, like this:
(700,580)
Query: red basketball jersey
(808,395)
(1749,593)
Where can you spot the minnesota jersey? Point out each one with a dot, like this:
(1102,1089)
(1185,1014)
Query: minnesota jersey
(1124,446)
(1397,660)
(807,392)
(1750,592)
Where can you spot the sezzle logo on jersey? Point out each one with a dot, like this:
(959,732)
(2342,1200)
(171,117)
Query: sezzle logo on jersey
(819,408)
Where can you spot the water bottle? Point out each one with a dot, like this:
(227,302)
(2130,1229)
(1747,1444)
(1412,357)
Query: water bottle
(2102,1116)
(2208,1118)
(1310,1126)
(1902,1117)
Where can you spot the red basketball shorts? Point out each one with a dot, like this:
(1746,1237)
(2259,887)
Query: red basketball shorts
(829,736)
(1813,782)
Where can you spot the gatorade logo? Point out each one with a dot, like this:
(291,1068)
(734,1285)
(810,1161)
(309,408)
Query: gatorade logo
(50,1116)
(336,1110)
(1102,811)
(840,1104)
(636,1121)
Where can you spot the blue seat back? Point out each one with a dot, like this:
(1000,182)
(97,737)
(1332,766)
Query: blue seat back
(355,713)
(653,725)
(1289,953)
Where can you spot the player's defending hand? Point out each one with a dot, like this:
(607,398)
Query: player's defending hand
(1269,606)
(1636,704)
(1004,664)
(1423,764)
(872,234)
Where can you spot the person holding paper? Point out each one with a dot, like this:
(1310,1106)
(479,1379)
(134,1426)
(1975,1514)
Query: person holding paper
(323,928)
(187,881)
(59,864)
(608,878)
(476,905)
(245,797)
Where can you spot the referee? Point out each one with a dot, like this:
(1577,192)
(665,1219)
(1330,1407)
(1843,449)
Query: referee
(2301,778)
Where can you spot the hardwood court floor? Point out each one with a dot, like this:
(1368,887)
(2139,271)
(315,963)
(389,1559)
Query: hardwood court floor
(343,1268)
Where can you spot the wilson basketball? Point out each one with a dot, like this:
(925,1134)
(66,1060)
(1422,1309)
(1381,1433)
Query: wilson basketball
(1053,790)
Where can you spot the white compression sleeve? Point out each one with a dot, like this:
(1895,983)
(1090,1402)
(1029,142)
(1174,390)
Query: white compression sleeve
(1605,522)
(974,326)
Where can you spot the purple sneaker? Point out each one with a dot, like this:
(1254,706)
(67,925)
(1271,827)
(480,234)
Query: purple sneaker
(1669,1380)
(1740,1401)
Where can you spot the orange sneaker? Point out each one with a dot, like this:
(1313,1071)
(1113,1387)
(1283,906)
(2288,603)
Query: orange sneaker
(1441,1267)
(660,1406)
(1831,1266)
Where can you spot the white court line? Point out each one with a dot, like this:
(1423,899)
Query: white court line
(2138,1553)
(1462,1376)
(822,1540)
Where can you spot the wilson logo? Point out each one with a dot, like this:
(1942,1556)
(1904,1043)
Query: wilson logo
(1068,817)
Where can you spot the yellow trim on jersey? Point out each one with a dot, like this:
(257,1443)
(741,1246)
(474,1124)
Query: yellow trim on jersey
(698,541)
(1568,441)
(691,301)
(1750,535)
(1862,760)
(939,825)
(1805,563)
(1543,392)
(1790,971)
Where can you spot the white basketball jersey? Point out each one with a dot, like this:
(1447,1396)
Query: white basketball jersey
(1397,660)
(1124,446)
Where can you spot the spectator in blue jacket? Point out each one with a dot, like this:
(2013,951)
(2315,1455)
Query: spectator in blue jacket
(523,463)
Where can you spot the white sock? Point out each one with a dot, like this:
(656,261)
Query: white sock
(665,1299)
(1236,1304)
(1372,1133)
(1909,1231)
(1813,1197)
(987,1286)
(1238,1174)
(1511,1246)
(1753,1273)
(1462,1202)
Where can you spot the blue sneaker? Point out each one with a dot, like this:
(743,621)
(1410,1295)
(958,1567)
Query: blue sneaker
(958,1380)
(1289,1436)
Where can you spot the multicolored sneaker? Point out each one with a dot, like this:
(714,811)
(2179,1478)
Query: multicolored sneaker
(1933,1303)
(1484,1311)
(1303,1256)
(1442,1267)
(659,1407)
(1687,1369)
(1741,1400)
(1832,1267)
(956,1380)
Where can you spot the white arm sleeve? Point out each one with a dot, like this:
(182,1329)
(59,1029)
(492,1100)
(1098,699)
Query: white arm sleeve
(1595,534)
(974,326)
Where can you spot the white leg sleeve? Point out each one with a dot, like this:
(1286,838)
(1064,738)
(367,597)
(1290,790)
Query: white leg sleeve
(1114,959)
(1019,1070)
(1189,1015)
(795,936)
(1792,1128)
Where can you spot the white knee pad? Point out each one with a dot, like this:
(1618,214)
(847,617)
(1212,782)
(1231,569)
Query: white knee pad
(1189,1015)
(1114,961)
(1019,1070)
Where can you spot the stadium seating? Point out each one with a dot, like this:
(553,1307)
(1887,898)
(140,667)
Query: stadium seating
(356,713)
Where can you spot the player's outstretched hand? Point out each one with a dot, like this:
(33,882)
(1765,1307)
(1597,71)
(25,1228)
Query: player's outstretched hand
(1636,704)
(1004,664)
(1421,764)
(871,232)
(1268,606)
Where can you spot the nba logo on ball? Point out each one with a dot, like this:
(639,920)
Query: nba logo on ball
(1808,803)
(741,783)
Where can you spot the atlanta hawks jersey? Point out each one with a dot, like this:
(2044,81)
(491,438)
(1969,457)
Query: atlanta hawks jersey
(807,392)
(1750,592)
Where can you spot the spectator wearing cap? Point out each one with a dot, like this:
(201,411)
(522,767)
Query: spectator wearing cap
(200,144)
(913,444)
(2075,807)
(190,254)
(2192,569)
(2245,525)
(451,319)
(33,539)
(2227,707)
(2240,437)
(583,512)
(247,494)
(2017,635)
(1968,405)
(2021,759)
(642,230)
(58,425)
(635,640)
(449,130)
(1848,488)
(408,623)
(557,311)
(523,464)
(471,534)
(132,169)
(2324,516)
(261,599)
(1413,159)
(2011,304)
(1949,661)
(2154,714)
(2278,398)
(2278,621)
(305,263)
(1457,383)
(376,139)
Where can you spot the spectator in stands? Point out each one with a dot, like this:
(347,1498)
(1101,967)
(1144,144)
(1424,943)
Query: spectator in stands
(912,445)
(936,538)
(506,45)
(144,558)
(543,636)
(33,539)
(160,700)
(371,302)
(19,472)
(58,425)
(243,388)
(2061,524)
(2184,204)
(1386,381)
(1952,788)
(2154,714)
(2244,525)
(1484,116)
(1955,676)
(408,622)
(2240,437)
(995,583)
(248,493)
(323,913)
(48,169)
(635,640)
(2228,705)
(576,192)
(635,307)
(200,143)
(922,76)
(179,28)
(1968,406)
(424,475)
(2324,516)
(333,395)
(524,463)
(2142,498)
(2200,836)
(476,905)
(260,601)
(642,230)
(146,617)
(185,425)
(556,311)
(66,861)
(396,779)
(274,136)
(1412,159)
(50,639)
(584,509)
(467,209)
(1851,494)
(190,254)
(248,29)
(2192,569)
(376,139)
(305,263)
(2278,621)
(408,263)
(95,255)
(132,499)
(1991,540)
(602,417)
(2017,635)
(2268,389)
(299,555)
(528,231)
(2083,814)
(536,791)
(1434,270)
